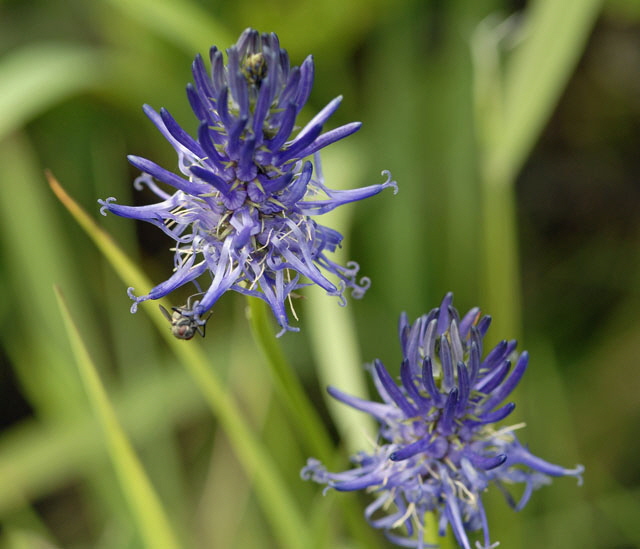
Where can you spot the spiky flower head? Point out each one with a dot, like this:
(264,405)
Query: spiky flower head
(438,448)
(241,213)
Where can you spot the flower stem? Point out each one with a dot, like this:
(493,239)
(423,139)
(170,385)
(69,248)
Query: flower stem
(276,500)
(306,420)
(307,423)
(432,537)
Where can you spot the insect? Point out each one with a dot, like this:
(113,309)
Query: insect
(184,326)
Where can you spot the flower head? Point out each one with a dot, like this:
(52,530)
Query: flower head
(242,212)
(438,449)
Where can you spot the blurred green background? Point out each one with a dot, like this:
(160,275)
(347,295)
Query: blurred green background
(514,141)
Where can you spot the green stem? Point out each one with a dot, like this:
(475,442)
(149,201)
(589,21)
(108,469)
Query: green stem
(275,498)
(148,512)
(282,511)
(514,97)
(501,296)
(305,419)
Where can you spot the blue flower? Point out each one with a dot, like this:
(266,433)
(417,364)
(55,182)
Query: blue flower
(242,212)
(438,449)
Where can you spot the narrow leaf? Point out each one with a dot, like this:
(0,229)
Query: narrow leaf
(147,510)
(275,497)
(39,75)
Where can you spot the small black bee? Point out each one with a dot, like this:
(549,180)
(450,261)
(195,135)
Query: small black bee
(184,326)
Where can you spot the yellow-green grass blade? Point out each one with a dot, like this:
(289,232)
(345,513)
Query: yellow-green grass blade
(22,525)
(512,106)
(553,36)
(182,22)
(36,458)
(149,514)
(275,498)
(306,420)
(37,76)
(17,538)
(333,336)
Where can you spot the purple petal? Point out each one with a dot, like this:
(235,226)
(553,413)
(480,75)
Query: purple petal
(183,275)
(184,185)
(518,454)
(464,387)
(284,131)
(294,192)
(489,382)
(468,320)
(429,382)
(483,325)
(434,448)
(375,409)
(393,391)
(247,170)
(215,181)
(217,69)
(330,137)
(179,134)
(447,420)
(504,390)
(306,82)
(486,462)
(443,316)
(447,364)
(203,83)
(339,197)
(474,363)
(492,417)
(406,376)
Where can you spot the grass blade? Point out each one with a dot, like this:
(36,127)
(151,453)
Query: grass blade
(39,75)
(275,498)
(37,459)
(151,518)
(184,23)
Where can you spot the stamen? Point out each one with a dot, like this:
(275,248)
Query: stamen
(408,513)
(293,311)
(508,430)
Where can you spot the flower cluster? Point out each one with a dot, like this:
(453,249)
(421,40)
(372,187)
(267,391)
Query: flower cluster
(438,449)
(241,216)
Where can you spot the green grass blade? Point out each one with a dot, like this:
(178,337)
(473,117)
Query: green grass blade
(335,350)
(275,498)
(555,36)
(37,76)
(37,253)
(332,330)
(16,538)
(182,22)
(308,423)
(151,518)
(36,458)
(512,107)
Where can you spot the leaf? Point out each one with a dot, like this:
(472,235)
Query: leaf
(182,22)
(38,76)
(149,514)
(275,497)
